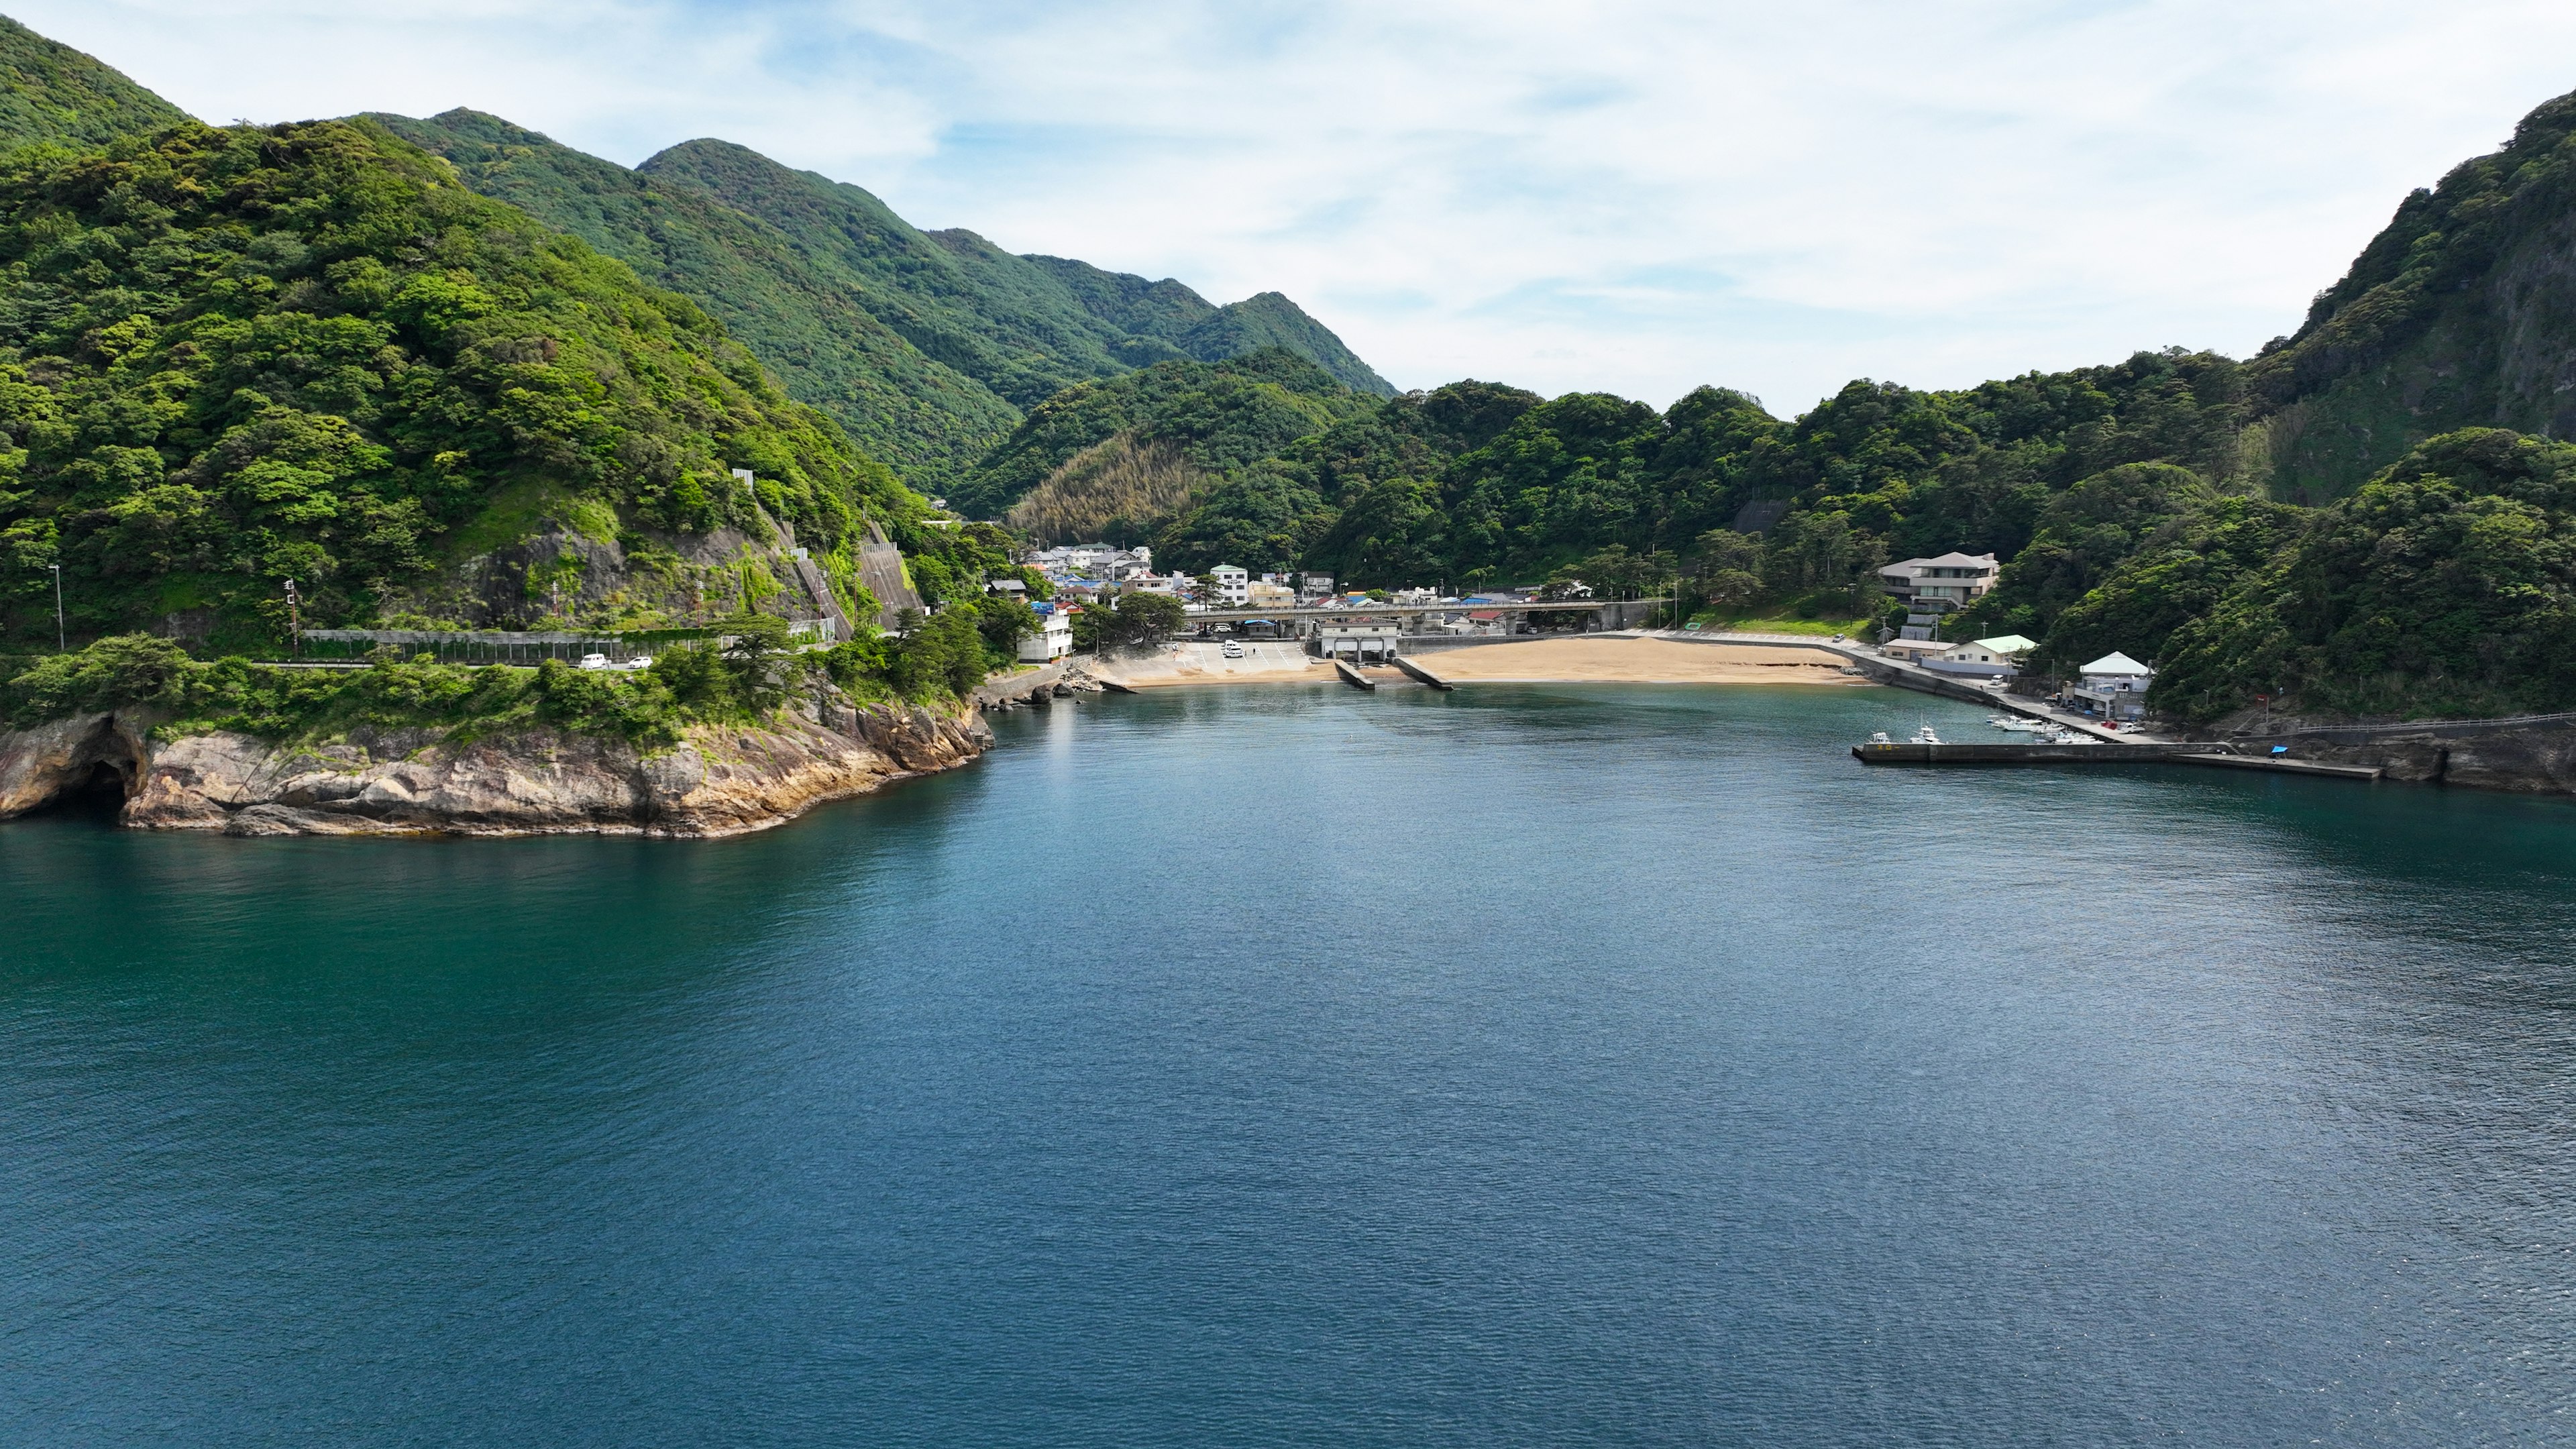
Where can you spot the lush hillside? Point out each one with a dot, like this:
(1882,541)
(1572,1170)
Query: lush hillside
(927,346)
(1169,312)
(51,92)
(809,323)
(1026,326)
(1481,483)
(2461,313)
(1222,415)
(2445,586)
(233,357)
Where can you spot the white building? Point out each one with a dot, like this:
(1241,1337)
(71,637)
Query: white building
(1996,658)
(1053,641)
(2114,687)
(1233,585)
(1358,638)
(1952,581)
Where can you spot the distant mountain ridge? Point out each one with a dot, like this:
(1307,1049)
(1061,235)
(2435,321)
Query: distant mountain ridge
(928,346)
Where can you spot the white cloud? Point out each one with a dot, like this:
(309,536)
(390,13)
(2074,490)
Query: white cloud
(1626,195)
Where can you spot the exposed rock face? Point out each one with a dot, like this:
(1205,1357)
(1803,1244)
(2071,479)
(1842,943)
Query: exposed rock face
(717,782)
(40,765)
(2533,757)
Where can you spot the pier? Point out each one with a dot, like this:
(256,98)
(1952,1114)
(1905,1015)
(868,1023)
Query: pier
(1907,752)
(1416,670)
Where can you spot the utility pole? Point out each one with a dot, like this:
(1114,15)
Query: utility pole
(62,644)
(294,621)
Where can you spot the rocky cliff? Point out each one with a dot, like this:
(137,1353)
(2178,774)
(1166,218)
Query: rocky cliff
(716,782)
(2535,755)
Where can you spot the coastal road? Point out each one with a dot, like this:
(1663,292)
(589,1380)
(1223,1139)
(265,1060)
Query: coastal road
(1916,676)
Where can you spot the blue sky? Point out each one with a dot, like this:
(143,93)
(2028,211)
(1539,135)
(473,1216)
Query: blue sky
(1622,195)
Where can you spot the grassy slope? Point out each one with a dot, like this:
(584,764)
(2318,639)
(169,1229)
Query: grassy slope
(51,92)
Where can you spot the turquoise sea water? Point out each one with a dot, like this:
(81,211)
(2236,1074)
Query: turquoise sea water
(1604,1065)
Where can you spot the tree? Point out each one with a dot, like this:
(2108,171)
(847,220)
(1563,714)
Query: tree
(1723,550)
(1143,619)
(1005,621)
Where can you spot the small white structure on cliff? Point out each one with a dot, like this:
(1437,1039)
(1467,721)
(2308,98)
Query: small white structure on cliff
(1996,658)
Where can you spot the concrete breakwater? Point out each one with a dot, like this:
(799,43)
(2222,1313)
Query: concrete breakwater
(1908,752)
(716,781)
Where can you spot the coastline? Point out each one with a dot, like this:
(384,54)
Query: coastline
(718,781)
(1575,659)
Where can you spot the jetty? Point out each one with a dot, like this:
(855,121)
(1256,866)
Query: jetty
(1353,677)
(1415,670)
(1909,752)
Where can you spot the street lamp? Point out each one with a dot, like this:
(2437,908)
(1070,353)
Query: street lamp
(62,641)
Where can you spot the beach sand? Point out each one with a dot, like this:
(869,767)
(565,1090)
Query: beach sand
(1579,659)
(1594,658)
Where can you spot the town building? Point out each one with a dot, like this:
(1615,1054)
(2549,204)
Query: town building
(1933,585)
(2114,687)
(1269,594)
(1054,638)
(1996,658)
(1358,638)
(1233,585)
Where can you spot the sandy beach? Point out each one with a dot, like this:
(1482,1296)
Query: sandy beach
(1599,659)
(1579,659)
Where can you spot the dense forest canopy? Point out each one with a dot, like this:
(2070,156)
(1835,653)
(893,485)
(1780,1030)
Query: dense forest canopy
(54,94)
(926,346)
(236,356)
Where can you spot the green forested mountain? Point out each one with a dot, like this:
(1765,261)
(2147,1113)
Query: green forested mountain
(2445,586)
(1027,326)
(238,356)
(2461,313)
(1169,312)
(926,345)
(811,324)
(232,356)
(51,92)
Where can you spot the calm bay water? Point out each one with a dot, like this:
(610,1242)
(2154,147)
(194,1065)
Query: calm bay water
(1288,1066)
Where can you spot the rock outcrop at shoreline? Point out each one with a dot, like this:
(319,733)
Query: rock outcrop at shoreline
(2536,755)
(717,781)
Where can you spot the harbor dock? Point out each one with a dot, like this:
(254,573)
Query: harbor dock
(1907,752)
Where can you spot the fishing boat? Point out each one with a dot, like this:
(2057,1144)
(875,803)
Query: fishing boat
(1924,736)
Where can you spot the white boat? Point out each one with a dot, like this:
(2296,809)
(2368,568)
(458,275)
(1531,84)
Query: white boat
(2020,726)
(1880,738)
(1924,736)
